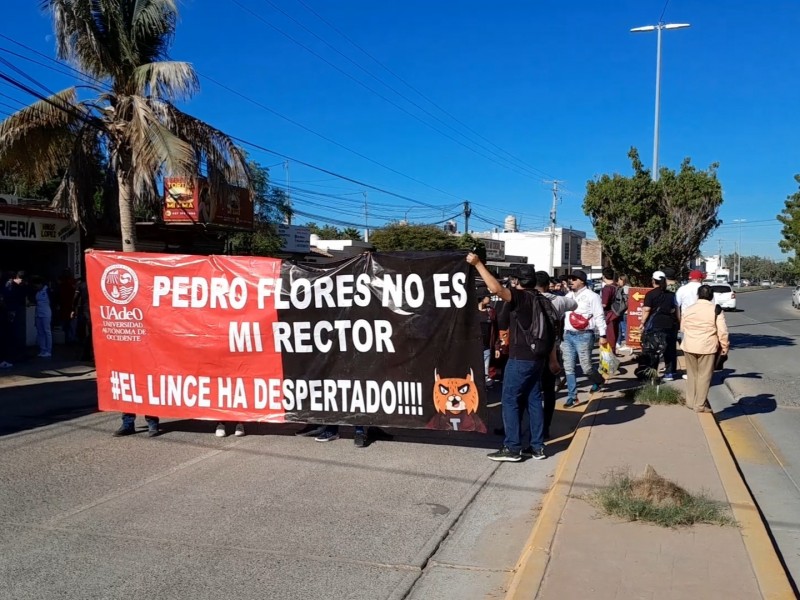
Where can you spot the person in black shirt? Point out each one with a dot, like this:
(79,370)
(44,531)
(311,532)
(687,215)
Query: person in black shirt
(660,315)
(488,321)
(522,380)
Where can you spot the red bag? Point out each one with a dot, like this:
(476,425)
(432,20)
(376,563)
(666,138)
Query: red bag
(578,321)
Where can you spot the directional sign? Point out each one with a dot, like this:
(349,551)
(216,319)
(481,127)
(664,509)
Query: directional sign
(633,335)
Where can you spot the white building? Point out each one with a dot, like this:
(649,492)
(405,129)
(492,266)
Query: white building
(536,246)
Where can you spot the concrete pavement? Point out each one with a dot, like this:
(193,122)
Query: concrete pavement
(574,552)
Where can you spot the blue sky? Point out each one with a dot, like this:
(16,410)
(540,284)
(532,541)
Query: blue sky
(562,87)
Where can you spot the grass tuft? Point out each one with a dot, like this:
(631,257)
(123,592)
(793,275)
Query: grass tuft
(655,394)
(652,498)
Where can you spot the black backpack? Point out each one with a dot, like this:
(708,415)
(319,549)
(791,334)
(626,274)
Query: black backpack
(619,305)
(542,332)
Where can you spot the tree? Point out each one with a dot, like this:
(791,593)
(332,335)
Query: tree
(790,217)
(396,237)
(646,225)
(329,232)
(122,45)
(270,206)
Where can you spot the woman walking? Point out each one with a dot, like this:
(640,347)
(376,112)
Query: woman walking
(704,334)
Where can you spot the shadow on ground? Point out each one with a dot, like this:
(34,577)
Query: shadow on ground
(28,407)
(751,340)
(748,405)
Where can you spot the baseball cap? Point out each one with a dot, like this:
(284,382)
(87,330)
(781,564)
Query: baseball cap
(696,275)
(527,275)
(578,274)
(658,275)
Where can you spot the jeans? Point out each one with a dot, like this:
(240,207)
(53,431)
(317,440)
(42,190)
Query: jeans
(522,387)
(129,420)
(671,352)
(578,345)
(44,335)
(623,328)
(487,356)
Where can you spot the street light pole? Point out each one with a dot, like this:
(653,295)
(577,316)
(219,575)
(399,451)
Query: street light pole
(658,29)
(739,251)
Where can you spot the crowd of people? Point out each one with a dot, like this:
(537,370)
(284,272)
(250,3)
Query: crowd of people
(62,302)
(581,320)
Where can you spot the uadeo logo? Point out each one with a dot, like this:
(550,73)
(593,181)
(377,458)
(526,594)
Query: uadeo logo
(119,284)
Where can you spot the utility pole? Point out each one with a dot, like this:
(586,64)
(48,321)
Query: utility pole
(366,218)
(288,215)
(555,183)
(467,213)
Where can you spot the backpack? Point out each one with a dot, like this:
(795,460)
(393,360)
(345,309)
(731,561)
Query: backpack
(619,305)
(542,332)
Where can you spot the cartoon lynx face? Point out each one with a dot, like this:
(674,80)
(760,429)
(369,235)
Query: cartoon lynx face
(455,394)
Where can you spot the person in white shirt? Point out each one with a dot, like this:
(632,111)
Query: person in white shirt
(580,327)
(687,294)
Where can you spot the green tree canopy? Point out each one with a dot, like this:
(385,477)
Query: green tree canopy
(790,217)
(646,225)
(329,232)
(398,237)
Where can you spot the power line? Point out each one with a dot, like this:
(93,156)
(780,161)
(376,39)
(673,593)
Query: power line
(370,89)
(417,91)
(393,89)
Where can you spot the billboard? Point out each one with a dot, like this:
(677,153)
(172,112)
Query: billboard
(189,200)
(381,339)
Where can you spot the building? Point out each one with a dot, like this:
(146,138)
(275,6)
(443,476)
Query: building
(37,239)
(535,246)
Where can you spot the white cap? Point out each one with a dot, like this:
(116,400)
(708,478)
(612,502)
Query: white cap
(659,275)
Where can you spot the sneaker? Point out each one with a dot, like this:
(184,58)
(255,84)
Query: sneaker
(668,377)
(570,403)
(153,431)
(123,431)
(310,431)
(526,452)
(220,431)
(239,431)
(327,436)
(505,455)
(684,376)
(45,355)
(595,388)
(704,409)
(360,438)
(538,454)
(5,365)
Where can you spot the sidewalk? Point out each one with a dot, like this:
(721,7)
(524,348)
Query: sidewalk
(576,552)
(64,364)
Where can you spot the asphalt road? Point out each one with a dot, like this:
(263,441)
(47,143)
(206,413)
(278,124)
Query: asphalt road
(759,410)
(187,515)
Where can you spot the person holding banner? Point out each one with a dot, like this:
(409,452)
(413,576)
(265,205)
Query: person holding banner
(128,426)
(522,381)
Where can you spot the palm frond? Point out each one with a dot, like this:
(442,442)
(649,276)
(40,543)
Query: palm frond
(153,147)
(223,160)
(34,141)
(75,194)
(165,79)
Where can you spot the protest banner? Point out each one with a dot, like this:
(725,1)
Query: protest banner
(380,339)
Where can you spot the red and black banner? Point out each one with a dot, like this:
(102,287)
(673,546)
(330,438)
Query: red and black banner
(380,339)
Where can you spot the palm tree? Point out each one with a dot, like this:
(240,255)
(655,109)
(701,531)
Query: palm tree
(121,47)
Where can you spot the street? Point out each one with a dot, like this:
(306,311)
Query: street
(759,410)
(270,515)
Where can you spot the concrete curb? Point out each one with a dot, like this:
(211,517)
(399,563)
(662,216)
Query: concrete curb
(767,567)
(532,564)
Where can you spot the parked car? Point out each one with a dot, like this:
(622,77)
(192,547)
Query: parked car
(724,296)
(766,283)
(745,282)
(796,297)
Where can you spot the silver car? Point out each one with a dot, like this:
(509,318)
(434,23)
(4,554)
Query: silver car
(724,296)
(796,297)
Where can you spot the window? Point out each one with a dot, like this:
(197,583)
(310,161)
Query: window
(566,252)
(578,252)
